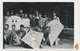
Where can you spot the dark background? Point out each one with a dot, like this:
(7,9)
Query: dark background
(64,10)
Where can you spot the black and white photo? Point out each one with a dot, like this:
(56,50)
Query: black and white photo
(38,25)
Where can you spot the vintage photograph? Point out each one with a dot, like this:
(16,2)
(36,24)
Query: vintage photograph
(38,25)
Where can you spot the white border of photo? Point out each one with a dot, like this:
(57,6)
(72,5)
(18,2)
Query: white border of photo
(76,24)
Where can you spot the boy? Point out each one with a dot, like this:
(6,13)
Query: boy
(14,39)
(21,33)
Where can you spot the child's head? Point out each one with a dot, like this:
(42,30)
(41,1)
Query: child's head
(54,14)
(40,15)
(45,15)
(22,27)
(13,27)
(36,12)
(8,13)
(6,26)
(26,15)
(21,11)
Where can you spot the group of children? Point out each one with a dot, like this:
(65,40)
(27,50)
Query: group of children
(35,22)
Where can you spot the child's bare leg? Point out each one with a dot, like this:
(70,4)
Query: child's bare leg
(56,42)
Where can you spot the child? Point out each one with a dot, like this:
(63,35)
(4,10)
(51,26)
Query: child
(14,39)
(21,33)
(7,33)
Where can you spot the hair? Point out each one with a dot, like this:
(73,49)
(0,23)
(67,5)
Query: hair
(13,25)
(21,26)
